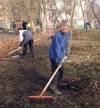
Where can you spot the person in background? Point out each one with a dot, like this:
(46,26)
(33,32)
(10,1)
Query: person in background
(26,40)
(18,26)
(14,27)
(24,25)
(87,25)
(57,51)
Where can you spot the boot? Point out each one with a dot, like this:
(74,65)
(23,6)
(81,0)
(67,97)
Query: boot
(55,89)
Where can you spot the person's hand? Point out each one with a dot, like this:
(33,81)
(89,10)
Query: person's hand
(60,65)
(66,57)
(67,54)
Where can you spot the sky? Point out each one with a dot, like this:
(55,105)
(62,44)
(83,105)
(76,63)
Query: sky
(98,1)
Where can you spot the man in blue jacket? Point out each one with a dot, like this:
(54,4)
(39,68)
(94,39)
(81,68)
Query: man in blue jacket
(58,50)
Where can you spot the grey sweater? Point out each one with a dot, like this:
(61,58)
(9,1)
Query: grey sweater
(27,36)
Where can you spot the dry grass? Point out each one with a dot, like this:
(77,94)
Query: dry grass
(7,44)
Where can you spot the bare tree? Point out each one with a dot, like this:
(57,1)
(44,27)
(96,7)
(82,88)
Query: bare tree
(92,4)
(44,8)
(73,4)
(82,11)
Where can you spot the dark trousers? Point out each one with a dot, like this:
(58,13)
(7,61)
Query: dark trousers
(25,47)
(59,74)
(86,26)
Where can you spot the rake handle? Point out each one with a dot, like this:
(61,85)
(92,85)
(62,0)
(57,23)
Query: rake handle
(20,47)
(45,88)
(15,50)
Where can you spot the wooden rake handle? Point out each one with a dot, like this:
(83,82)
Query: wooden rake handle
(15,50)
(45,88)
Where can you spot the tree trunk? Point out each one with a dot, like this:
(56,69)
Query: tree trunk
(72,13)
(93,10)
(82,12)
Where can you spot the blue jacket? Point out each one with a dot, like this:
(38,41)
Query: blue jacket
(59,46)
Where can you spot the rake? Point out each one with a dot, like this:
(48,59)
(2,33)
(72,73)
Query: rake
(41,96)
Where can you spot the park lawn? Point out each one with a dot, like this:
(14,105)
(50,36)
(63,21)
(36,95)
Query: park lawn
(19,79)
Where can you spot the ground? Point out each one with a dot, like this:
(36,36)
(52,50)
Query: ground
(20,79)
